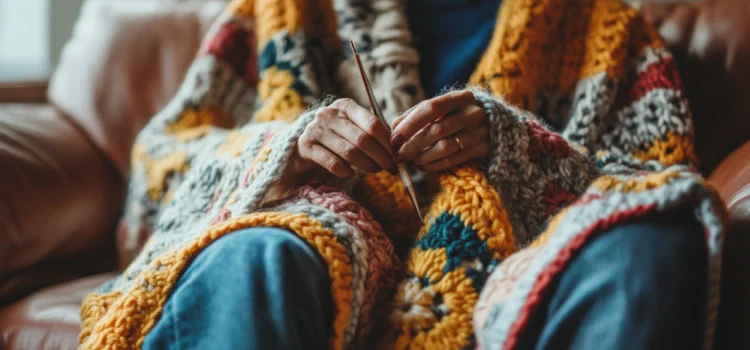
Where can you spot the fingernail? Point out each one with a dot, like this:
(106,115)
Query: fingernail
(399,159)
(397,139)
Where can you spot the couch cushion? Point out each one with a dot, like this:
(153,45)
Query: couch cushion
(124,61)
(48,319)
(60,201)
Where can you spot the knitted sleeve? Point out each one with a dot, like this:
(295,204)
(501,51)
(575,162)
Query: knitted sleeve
(637,122)
(380,30)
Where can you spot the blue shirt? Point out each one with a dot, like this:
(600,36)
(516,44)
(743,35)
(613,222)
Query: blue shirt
(451,36)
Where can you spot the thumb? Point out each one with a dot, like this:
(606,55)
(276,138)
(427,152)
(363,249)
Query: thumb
(297,164)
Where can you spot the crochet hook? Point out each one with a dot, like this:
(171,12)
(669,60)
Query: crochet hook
(402,171)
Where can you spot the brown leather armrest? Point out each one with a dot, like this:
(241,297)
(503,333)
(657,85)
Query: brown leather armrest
(24,92)
(60,201)
(732,179)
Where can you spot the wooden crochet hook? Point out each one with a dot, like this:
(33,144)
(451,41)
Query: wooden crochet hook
(405,178)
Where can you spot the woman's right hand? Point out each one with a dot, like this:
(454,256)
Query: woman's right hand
(343,135)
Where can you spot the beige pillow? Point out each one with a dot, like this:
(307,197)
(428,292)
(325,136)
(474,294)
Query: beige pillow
(124,61)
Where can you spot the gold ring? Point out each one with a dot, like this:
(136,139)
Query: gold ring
(460,144)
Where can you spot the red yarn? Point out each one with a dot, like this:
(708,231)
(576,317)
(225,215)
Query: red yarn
(246,179)
(561,261)
(588,198)
(235,45)
(545,143)
(266,138)
(223,215)
(662,74)
(215,197)
(555,196)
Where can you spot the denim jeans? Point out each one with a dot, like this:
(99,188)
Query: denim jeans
(638,286)
(260,288)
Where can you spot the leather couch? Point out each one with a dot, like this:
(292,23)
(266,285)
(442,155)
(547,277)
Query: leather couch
(64,161)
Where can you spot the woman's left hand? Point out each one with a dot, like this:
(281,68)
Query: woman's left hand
(442,132)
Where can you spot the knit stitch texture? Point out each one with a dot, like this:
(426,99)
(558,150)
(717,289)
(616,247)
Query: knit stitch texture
(589,129)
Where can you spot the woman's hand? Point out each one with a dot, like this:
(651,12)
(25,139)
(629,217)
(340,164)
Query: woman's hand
(343,135)
(442,132)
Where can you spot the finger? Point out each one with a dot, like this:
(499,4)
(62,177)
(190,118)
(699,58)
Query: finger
(449,146)
(347,151)
(476,152)
(329,161)
(367,121)
(400,118)
(473,116)
(365,143)
(432,134)
(429,111)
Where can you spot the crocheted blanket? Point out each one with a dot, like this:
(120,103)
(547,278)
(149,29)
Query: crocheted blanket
(589,129)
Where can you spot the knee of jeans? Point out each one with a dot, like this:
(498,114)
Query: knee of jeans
(663,245)
(255,244)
